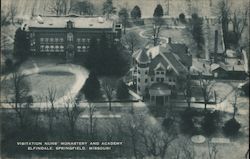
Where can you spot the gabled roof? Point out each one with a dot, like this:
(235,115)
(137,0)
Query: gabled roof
(160,67)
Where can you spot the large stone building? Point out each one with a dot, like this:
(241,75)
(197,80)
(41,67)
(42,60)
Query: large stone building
(156,70)
(68,36)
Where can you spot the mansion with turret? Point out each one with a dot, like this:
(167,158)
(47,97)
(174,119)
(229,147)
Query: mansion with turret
(156,69)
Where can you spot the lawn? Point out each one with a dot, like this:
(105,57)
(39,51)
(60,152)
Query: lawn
(39,83)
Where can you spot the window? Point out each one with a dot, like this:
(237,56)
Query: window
(56,40)
(46,48)
(70,37)
(170,80)
(152,79)
(57,48)
(42,48)
(84,48)
(146,80)
(41,40)
(139,72)
(157,72)
(46,40)
(52,48)
(61,48)
(158,79)
(162,72)
(61,39)
(146,72)
(139,79)
(162,79)
(78,40)
(139,88)
(51,40)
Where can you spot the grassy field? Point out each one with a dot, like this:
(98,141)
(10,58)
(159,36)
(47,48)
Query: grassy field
(61,81)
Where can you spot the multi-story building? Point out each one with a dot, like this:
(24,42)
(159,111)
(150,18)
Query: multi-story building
(156,70)
(69,35)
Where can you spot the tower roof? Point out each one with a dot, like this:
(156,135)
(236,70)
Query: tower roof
(142,56)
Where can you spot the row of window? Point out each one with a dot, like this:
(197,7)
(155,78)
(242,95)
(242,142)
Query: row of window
(81,48)
(157,80)
(83,40)
(51,48)
(46,40)
(146,72)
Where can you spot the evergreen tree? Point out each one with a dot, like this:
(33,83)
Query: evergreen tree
(197,32)
(92,55)
(21,45)
(123,15)
(158,11)
(136,12)
(108,8)
(122,91)
(91,88)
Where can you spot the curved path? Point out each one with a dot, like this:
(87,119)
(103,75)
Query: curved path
(141,34)
(80,73)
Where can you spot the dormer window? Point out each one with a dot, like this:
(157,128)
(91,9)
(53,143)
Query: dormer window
(69,24)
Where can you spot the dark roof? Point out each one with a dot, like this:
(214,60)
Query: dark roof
(142,56)
(79,22)
(176,64)
(154,62)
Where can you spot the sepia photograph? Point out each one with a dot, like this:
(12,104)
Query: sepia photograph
(124,79)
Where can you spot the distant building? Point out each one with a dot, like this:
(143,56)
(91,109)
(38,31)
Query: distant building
(68,36)
(156,70)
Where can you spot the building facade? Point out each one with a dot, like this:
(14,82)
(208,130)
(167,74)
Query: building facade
(156,70)
(68,36)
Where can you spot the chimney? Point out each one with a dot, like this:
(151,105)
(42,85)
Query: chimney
(169,40)
(215,45)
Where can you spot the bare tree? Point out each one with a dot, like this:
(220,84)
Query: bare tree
(186,87)
(108,88)
(51,112)
(131,39)
(212,150)
(72,113)
(12,11)
(61,7)
(187,149)
(234,103)
(239,21)
(158,22)
(19,89)
(5,15)
(92,121)
(157,141)
(206,90)
(223,12)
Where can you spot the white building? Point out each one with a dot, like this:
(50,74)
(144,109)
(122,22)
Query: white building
(156,70)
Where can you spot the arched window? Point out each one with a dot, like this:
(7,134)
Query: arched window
(70,37)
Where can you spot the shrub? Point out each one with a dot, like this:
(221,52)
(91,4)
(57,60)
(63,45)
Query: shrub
(231,127)
(187,123)
(182,18)
(9,64)
(210,122)
(167,122)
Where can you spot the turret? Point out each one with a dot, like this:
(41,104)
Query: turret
(142,71)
